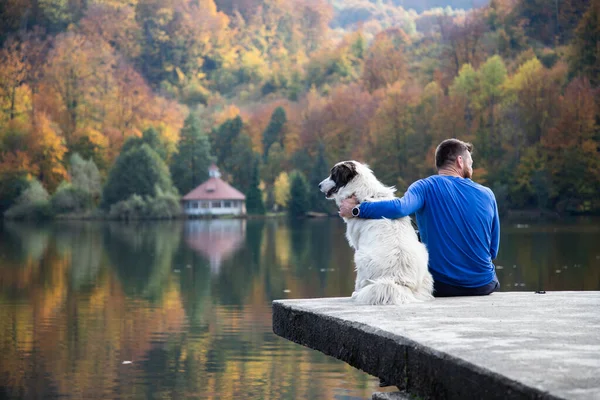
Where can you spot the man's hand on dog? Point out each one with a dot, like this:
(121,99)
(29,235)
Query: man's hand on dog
(347,206)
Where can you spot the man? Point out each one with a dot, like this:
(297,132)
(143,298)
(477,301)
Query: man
(457,220)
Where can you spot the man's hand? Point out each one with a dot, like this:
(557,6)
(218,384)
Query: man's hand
(347,206)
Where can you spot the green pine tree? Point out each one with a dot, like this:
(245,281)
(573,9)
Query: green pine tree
(224,137)
(239,165)
(320,171)
(274,131)
(254,202)
(299,203)
(189,165)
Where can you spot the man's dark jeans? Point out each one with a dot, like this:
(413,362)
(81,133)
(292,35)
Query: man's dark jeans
(444,290)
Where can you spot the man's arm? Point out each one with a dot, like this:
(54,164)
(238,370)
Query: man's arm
(412,201)
(495,242)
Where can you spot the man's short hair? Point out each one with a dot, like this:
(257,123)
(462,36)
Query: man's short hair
(449,150)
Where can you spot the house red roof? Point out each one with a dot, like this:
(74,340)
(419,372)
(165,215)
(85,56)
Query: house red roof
(215,189)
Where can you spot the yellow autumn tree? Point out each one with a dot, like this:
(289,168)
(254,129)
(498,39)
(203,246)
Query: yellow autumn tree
(281,190)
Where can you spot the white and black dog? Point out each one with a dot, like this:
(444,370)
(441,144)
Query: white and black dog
(391,263)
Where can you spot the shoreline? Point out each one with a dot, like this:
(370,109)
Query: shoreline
(511,216)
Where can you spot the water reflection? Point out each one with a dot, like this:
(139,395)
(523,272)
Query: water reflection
(215,239)
(188,303)
(141,254)
(550,256)
(79,299)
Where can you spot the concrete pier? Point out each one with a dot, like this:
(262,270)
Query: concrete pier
(512,345)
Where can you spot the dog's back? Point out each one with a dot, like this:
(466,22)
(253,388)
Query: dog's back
(391,263)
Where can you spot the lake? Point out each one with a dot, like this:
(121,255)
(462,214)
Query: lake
(175,310)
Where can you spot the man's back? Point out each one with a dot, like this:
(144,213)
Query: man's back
(458,223)
(457,218)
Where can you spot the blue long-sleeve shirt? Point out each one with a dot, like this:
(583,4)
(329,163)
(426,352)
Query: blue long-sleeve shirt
(458,222)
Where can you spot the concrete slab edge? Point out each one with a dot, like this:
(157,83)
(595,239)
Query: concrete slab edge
(421,371)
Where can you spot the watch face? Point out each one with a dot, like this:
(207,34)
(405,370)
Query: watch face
(355,211)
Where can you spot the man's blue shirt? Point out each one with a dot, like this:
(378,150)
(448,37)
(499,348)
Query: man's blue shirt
(458,222)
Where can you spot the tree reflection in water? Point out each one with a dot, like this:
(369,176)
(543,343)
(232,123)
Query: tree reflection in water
(188,303)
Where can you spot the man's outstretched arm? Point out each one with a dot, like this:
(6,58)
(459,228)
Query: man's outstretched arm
(412,201)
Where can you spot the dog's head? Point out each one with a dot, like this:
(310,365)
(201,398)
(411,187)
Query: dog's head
(342,174)
(349,178)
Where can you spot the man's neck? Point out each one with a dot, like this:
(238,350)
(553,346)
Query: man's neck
(450,172)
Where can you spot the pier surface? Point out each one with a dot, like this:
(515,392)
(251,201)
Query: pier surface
(503,346)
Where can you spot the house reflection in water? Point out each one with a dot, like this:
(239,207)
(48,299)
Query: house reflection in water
(216,239)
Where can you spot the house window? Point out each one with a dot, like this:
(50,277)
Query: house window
(195,204)
(205,204)
(227,204)
(216,204)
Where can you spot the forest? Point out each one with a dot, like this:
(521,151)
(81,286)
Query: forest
(117,108)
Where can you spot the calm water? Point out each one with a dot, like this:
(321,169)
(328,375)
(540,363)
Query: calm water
(182,310)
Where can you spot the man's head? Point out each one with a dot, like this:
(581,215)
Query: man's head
(454,154)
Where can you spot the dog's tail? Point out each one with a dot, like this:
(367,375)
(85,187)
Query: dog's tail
(384,291)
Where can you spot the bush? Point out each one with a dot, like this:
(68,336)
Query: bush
(68,198)
(85,176)
(35,211)
(11,187)
(132,208)
(162,206)
(32,204)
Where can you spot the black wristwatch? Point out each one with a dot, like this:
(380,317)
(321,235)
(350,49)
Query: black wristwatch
(356,211)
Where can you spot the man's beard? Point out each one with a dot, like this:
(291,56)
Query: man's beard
(467,172)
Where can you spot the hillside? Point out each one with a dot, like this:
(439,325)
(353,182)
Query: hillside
(372,81)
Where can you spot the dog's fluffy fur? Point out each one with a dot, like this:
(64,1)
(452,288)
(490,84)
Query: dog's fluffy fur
(391,263)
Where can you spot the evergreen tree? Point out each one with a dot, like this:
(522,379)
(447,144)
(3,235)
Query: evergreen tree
(152,138)
(239,165)
(189,165)
(274,131)
(320,171)
(299,203)
(273,164)
(224,137)
(138,171)
(254,202)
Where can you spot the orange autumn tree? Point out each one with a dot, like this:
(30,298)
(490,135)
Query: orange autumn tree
(385,61)
(343,122)
(47,149)
(397,152)
(570,149)
(13,74)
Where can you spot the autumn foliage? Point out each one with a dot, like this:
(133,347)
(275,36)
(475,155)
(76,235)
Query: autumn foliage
(289,82)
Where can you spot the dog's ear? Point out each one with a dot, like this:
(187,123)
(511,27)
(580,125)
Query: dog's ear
(343,173)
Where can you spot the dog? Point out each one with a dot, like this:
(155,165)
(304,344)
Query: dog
(390,261)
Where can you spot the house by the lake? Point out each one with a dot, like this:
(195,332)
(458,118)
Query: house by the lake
(214,197)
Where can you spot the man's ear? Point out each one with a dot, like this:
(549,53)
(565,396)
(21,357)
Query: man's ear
(460,161)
